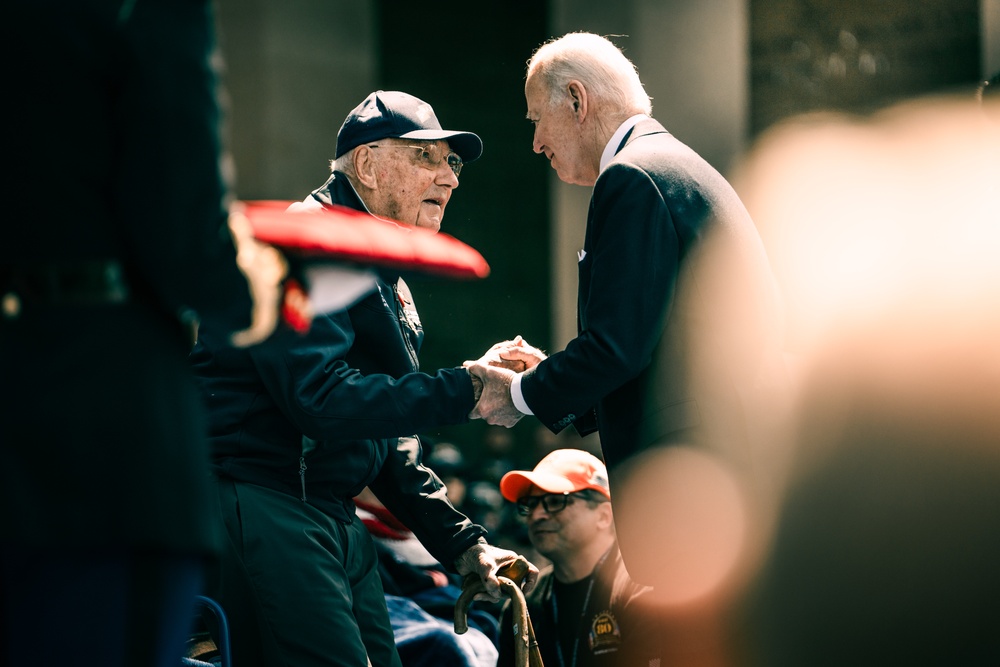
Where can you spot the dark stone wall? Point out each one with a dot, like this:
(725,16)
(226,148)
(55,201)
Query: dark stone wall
(472,73)
(857,55)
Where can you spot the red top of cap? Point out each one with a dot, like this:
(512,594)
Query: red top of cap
(338,233)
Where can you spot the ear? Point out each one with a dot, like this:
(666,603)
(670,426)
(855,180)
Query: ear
(364,167)
(605,517)
(578,93)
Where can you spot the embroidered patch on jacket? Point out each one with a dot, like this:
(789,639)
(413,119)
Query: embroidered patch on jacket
(605,636)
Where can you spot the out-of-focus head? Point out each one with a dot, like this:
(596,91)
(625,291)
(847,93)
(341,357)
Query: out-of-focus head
(988,94)
(884,542)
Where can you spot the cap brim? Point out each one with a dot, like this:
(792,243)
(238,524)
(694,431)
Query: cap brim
(468,145)
(515,485)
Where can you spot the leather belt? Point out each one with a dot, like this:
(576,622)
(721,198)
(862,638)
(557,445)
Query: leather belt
(75,283)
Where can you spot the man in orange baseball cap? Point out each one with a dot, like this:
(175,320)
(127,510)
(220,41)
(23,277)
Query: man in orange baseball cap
(584,609)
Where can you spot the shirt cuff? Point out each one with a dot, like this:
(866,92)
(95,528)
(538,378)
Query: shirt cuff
(517,397)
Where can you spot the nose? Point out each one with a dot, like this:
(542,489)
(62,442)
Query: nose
(539,511)
(446,176)
(536,144)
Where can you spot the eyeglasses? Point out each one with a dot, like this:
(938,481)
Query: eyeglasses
(552,502)
(430,156)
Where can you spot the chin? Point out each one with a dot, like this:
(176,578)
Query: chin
(565,176)
(429,226)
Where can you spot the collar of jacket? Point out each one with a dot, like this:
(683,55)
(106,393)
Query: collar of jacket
(641,129)
(338,191)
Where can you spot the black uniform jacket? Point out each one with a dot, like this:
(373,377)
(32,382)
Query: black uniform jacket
(334,411)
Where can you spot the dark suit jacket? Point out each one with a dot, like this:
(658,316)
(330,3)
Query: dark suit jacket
(678,312)
(117,151)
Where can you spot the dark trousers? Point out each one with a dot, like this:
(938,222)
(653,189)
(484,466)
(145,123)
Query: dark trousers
(299,588)
(112,609)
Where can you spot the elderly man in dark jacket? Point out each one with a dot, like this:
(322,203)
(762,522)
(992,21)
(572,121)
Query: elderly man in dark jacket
(299,431)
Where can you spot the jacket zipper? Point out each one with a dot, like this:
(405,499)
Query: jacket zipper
(302,475)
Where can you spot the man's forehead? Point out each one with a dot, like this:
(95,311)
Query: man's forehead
(539,491)
(537,107)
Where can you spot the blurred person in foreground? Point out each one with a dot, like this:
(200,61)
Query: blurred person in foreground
(885,231)
(299,430)
(584,610)
(106,523)
(678,351)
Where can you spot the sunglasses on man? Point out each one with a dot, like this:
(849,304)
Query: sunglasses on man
(554,503)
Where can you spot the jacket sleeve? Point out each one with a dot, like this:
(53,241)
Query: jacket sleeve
(416,496)
(627,279)
(318,390)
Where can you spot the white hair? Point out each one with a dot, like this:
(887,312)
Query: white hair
(597,63)
(344,163)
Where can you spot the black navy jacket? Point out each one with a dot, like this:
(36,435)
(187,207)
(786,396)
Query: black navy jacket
(334,411)
(678,313)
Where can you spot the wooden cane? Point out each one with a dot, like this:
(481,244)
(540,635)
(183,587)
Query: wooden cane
(526,651)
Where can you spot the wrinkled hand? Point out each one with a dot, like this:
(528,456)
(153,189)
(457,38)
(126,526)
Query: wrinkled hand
(516,355)
(264,268)
(520,350)
(495,404)
(483,560)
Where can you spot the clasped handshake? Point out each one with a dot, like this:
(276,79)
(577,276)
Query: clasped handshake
(492,375)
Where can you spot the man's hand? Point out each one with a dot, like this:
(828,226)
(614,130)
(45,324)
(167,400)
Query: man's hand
(483,560)
(495,404)
(520,350)
(516,355)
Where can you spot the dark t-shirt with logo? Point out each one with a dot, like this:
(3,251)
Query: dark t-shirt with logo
(595,622)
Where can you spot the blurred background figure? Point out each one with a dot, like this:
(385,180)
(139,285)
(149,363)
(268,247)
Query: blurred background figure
(448,462)
(484,505)
(497,454)
(885,232)
(115,245)
(421,595)
(987,94)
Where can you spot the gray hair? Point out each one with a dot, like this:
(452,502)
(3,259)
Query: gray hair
(344,164)
(597,63)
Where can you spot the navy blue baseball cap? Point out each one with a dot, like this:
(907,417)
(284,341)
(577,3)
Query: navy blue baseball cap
(390,114)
